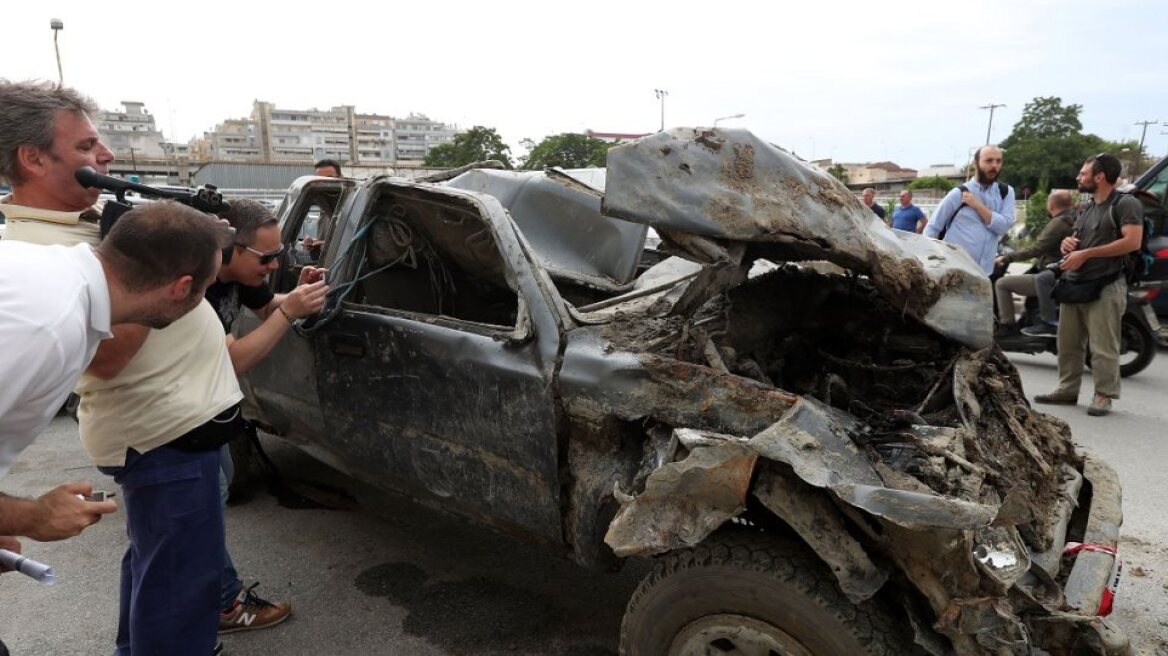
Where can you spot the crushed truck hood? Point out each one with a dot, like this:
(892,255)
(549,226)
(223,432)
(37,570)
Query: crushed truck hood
(730,187)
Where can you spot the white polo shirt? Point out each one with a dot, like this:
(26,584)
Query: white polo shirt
(54,309)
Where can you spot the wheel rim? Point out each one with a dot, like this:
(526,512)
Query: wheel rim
(735,635)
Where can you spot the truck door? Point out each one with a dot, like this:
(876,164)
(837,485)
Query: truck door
(430,376)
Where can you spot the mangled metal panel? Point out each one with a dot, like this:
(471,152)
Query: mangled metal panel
(814,439)
(813,516)
(560,217)
(730,185)
(684,501)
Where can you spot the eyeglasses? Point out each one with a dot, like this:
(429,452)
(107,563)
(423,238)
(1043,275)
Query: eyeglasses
(265,258)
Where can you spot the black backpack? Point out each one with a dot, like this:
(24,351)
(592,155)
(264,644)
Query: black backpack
(1002,189)
(1138,263)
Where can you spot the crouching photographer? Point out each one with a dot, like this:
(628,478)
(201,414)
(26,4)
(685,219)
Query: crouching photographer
(242,282)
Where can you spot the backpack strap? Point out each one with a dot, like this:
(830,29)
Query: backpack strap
(945,228)
(1003,190)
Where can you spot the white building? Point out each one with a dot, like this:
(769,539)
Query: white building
(275,134)
(132,134)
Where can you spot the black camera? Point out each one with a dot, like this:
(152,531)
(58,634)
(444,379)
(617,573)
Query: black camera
(205,199)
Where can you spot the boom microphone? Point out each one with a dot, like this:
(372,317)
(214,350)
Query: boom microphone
(87,177)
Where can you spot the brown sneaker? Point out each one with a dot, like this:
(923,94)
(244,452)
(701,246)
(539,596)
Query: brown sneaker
(1100,405)
(252,611)
(1057,398)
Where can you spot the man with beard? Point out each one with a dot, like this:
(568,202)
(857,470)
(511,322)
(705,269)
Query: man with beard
(977,214)
(1094,253)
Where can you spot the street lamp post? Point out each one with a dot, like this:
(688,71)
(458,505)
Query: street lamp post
(661,93)
(990,127)
(57,26)
(726,118)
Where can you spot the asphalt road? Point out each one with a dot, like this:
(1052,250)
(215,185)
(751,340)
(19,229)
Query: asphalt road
(387,577)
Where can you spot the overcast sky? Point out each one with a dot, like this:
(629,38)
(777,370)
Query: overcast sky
(854,81)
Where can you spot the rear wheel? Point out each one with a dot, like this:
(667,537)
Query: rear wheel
(248,471)
(1137,347)
(749,593)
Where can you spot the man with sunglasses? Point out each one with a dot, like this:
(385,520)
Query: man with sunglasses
(241,282)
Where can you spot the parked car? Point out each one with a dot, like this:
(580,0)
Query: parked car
(1152,187)
(799,415)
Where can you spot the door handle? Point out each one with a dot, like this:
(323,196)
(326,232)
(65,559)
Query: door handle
(346,344)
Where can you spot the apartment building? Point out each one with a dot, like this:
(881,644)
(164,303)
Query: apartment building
(132,133)
(276,134)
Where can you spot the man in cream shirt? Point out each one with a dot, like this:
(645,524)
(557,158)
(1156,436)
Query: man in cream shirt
(45,135)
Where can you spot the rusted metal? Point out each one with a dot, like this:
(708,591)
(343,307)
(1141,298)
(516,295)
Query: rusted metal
(684,501)
(575,403)
(813,516)
(731,186)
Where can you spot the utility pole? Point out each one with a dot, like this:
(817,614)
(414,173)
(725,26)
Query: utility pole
(990,127)
(1140,152)
(57,25)
(726,118)
(661,93)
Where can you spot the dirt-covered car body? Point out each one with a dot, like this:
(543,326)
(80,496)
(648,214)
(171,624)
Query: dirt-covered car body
(496,346)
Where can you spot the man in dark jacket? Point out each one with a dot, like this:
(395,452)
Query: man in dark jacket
(1045,250)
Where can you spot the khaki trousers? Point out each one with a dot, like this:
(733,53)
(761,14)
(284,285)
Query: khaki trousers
(1096,323)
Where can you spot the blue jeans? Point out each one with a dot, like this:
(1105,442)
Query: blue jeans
(231,583)
(171,574)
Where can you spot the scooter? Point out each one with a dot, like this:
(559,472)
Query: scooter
(1138,330)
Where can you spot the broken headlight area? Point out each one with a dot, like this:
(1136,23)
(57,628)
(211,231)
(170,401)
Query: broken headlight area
(952,420)
(921,434)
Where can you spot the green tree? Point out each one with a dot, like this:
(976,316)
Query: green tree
(1047,117)
(475,145)
(567,150)
(932,182)
(839,172)
(1036,216)
(1047,146)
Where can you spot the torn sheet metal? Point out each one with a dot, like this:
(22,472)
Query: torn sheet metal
(730,185)
(684,501)
(813,516)
(814,439)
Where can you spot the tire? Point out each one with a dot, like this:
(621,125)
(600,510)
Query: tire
(745,592)
(1137,337)
(248,472)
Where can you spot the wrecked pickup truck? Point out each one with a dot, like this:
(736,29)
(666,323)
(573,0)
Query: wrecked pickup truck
(797,412)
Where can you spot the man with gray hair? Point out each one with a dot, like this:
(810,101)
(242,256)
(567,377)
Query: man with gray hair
(45,135)
(869,200)
(155,404)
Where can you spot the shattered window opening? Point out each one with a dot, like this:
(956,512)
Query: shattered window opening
(434,258)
